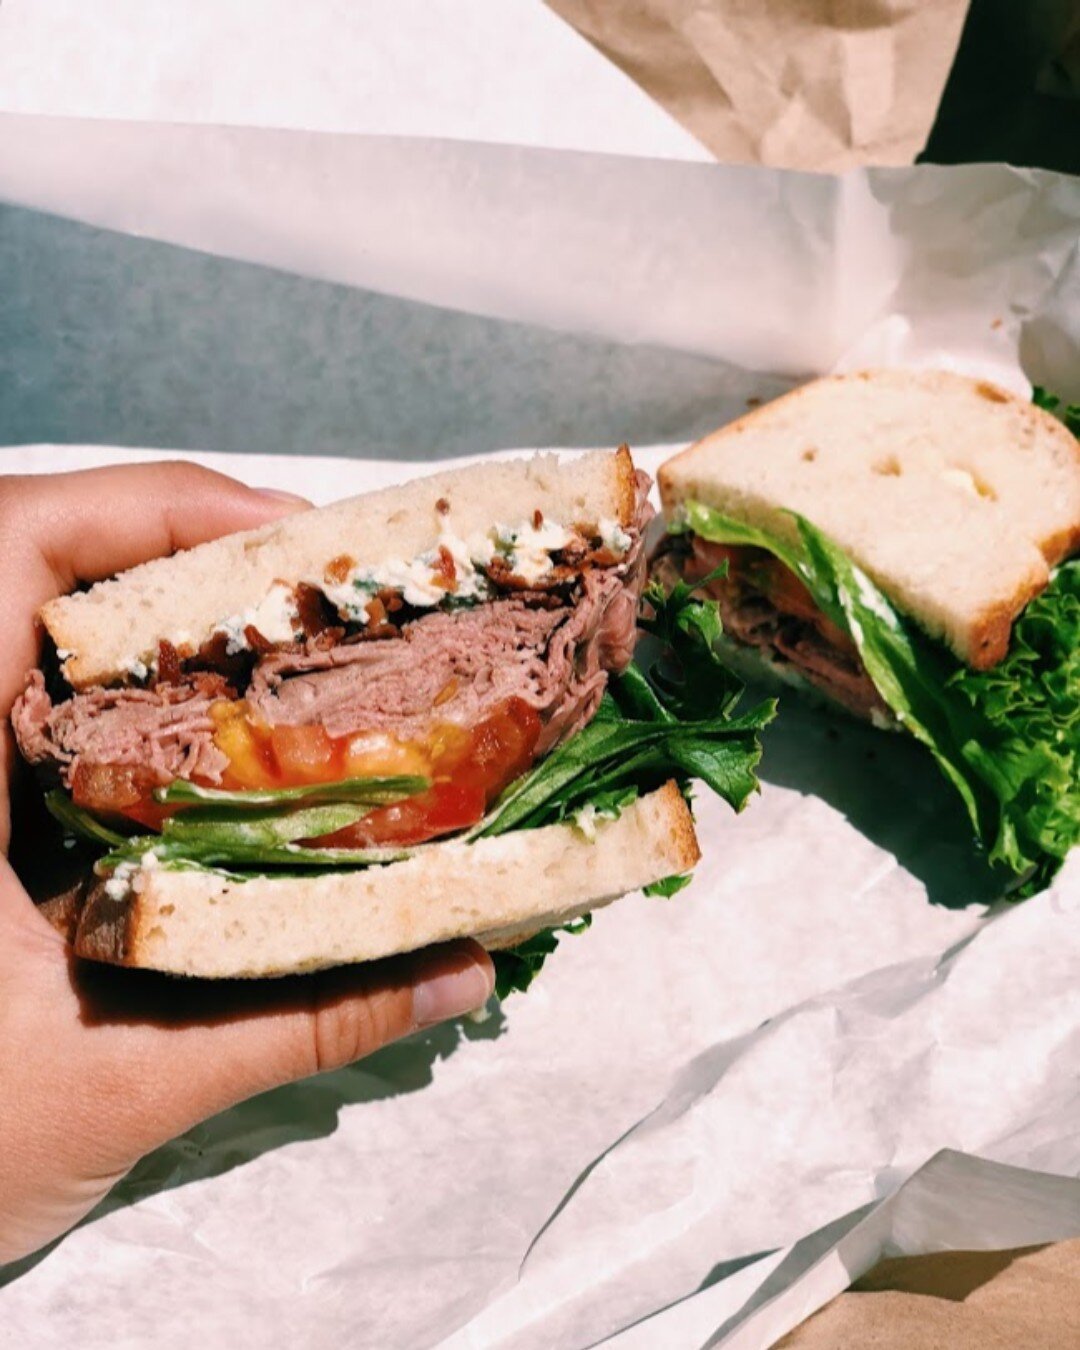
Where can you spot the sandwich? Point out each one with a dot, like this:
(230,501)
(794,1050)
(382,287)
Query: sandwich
(901,544)
(408,717)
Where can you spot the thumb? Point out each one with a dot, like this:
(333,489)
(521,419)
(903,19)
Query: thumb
(189,1049)
(92,523)
(102,1066)
(350,1012)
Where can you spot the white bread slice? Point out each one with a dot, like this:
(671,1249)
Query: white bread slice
(181,599)
(955,496)
(498,891)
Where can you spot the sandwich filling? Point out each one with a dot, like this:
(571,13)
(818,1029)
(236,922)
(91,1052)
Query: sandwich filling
(764,605)
(459,669)
(1007,737)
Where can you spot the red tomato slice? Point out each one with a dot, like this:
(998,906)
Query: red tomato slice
(709,556)
(786,591)
(118,790)
(151,814)
(109,787)
(773,579)
(790,596)
(469,766)
(304,755)
(503,745)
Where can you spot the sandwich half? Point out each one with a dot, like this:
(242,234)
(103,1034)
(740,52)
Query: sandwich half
(408,717)
(901,543)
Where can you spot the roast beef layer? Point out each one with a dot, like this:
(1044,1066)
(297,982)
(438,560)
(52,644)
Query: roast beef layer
(458,667)
(166,730)
(825,658)
(554,651)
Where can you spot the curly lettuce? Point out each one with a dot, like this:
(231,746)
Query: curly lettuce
(1069,413)
(1008,739)
(1031,700)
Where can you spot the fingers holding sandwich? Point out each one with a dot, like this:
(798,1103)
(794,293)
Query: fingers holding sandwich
(93,522)
(57,530)
(191,1049)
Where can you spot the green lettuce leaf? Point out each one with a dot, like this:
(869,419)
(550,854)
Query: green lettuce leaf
(666,887)
(267,827)
(517,967)
(243,862)
(79,822)
(369,791)
(222,836)
(668,718)
(1007,739)
(615,753)
(1032,702)
(687,679)
(1070,414)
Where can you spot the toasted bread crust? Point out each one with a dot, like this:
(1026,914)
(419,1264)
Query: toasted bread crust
(1063,543)
(64,909)
(625,490)
(497,891)
(108,929)
(991,628)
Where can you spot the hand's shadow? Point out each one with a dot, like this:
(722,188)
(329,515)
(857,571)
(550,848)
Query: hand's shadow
(54,877)
(298,1111)
(890,789)
(305,1110)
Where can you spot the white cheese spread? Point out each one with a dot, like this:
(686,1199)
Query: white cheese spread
(275,617)
(529,547)
(119,884)
(613,536)
(423,583)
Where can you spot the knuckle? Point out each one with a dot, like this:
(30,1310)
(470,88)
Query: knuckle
(184,476)
(347,1028)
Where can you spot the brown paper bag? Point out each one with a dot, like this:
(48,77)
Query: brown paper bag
(1028,1297)
(804,84)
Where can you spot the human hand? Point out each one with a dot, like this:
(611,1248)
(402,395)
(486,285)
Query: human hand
(99,1066)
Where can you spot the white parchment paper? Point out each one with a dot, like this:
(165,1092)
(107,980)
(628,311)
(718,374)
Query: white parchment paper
(483,70)
(695,1082)
(759,270)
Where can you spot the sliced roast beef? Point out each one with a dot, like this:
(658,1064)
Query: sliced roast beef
(457,667)
(806,639)
(166,731)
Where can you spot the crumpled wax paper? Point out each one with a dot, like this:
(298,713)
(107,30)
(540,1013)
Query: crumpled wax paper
(695,1082)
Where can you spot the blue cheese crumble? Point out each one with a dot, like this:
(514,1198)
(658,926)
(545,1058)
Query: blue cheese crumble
(275,617)
(422,581)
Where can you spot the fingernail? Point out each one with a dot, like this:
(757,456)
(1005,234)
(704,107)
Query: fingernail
(279,495)
(457,984)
